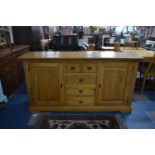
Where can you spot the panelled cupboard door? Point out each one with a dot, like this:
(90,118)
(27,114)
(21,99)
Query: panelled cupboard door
(114,83)
(46,83)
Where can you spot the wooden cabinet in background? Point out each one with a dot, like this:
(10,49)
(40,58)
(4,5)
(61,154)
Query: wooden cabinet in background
(65,43)
(11,68)
(27,35)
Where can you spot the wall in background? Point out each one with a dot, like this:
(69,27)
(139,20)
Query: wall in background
(11,34)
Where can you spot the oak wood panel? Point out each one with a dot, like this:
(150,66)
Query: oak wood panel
(28,83)
(113,79)
(46,83)
(122,108)
(84,55)
(132,82)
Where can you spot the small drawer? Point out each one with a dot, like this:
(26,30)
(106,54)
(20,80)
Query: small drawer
(80,101)
(72,68)
(89,68)
(80,90)
(81,79)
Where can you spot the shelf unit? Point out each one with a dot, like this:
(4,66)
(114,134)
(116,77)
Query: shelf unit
(4,37)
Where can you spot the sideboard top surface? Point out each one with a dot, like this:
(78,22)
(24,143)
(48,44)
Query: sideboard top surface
(80,55)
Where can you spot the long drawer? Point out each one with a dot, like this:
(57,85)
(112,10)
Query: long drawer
(80,79)
(80,100)
(80,90)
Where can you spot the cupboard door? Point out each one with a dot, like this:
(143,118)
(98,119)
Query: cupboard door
(114,83)
(46,83)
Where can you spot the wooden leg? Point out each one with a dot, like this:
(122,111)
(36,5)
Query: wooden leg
(143,83)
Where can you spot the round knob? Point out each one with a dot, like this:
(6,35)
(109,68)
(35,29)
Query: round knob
(72,68)
(81,80)
(80,102)
(89,68)
(80,91)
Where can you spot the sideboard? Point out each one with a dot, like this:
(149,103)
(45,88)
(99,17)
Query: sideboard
(80,81)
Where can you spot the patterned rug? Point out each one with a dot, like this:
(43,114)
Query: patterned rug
(80,122)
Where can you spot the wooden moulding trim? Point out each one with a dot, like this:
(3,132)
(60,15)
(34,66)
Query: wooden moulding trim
(82,108)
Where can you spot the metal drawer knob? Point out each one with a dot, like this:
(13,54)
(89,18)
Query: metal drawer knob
(80,91)
(81,80)
(72,68)
(89,68)
(80,102)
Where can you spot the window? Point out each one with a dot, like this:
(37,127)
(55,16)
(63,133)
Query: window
(123,29)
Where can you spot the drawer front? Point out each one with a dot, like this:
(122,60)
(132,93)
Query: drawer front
(80,101)
(79,79)
(72,68)
(80,90)
(89,68)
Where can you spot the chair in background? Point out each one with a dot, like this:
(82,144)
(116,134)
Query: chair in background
(91,47)
(117,47)
(131,44)
(3,98)
(147,71)
(65,43)
(106,41)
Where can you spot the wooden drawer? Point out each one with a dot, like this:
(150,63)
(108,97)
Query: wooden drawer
(80,79)
(80,90)
(72,68)
(89,68)
(80,100)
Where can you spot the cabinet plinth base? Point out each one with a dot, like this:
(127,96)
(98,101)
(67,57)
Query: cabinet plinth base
(80,109)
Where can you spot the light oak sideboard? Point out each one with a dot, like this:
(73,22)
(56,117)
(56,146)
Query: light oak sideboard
(80,81)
